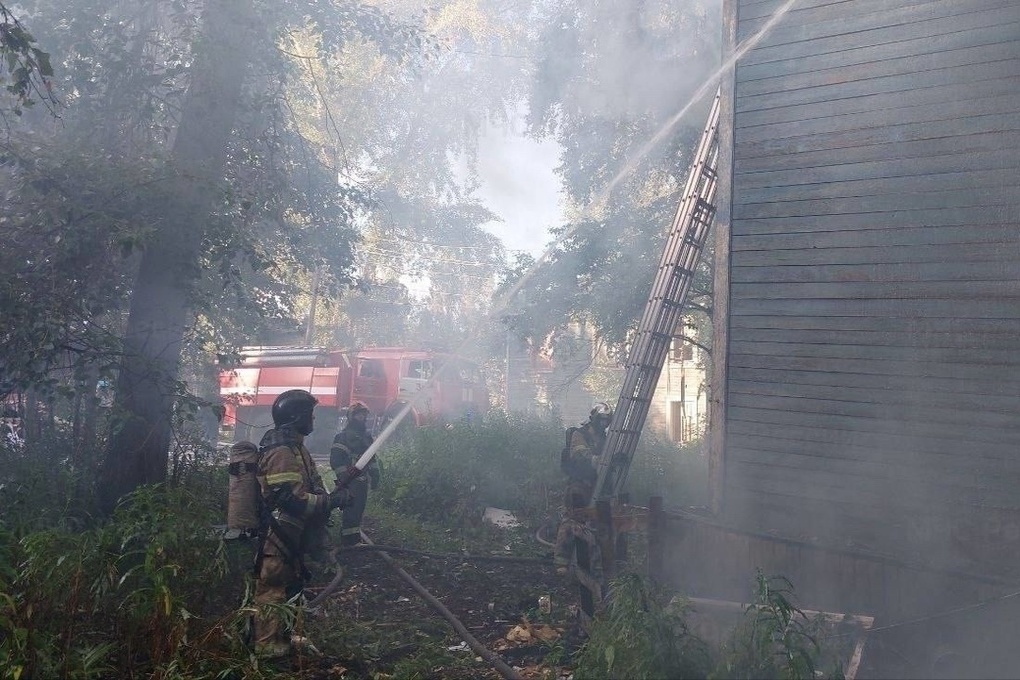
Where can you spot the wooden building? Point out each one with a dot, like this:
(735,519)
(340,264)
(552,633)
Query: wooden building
(868,301)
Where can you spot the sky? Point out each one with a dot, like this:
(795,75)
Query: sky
(518,184)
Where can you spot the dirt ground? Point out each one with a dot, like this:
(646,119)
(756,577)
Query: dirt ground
(376,626)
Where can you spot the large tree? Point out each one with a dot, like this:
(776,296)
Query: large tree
(169,268)
(612,77)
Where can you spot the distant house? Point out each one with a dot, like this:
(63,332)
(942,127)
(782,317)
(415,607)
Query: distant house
(542,381)
(679,406)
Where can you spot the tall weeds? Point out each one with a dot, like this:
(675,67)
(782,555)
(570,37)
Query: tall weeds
(127,598)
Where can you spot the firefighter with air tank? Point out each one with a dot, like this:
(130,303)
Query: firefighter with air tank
(581,454)
(296,506)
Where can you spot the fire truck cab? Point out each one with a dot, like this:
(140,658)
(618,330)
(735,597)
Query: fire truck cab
(383,378)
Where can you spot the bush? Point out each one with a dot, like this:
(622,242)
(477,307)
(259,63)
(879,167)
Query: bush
(513,462)
(122,599)
(678,473)
(775,639)
(451,474)
(642,633)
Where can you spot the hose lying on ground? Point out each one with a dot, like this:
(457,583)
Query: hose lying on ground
(455,556)
(478,648)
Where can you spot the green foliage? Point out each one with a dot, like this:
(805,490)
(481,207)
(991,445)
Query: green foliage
(645,633)
(775,639)
(127,598)
(509,462)
(642,634)
(27,66)
(678,473)
(48,481)
(622,191)
(512,462)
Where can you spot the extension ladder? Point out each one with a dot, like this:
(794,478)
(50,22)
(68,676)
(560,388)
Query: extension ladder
(662,313)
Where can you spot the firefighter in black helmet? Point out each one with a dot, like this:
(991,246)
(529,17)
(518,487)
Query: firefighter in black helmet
(348,446)
(297,507)
(585,446)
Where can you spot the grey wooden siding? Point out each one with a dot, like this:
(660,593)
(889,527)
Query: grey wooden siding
(873,361)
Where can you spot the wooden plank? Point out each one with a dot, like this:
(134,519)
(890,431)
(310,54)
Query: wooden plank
(925,480)
(916,462)
(984,254)
(915,396)
(898,46)
(988,329)
(835,92)
(864,491)
(999,180)
(930,235)
(981,374)
(893,273)
(940,451)
(763,9)
(879,381)
(914,414)
(808,10)
(769,82)
(804,34)
(810,520)
(885,220)
(856,290)
(721,238)
(956,341)
(976,146)
(883,127)
(953,163)
(947,308)
(979,198)
(838,501)
(938,96)
(877,353)
(889,425)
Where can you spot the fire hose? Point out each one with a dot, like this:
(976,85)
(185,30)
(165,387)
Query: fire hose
(478,648)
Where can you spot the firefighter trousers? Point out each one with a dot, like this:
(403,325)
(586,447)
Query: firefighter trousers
(277,582)
(350,527)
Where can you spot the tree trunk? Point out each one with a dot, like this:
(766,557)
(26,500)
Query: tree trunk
(160,309)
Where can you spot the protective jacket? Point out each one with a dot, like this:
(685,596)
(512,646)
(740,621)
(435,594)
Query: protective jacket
(348,446)
(586,444)
(292,492)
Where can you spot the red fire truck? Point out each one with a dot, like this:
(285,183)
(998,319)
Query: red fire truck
(383,378)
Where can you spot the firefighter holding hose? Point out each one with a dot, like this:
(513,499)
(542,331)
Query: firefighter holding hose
(295,506)
(348,446)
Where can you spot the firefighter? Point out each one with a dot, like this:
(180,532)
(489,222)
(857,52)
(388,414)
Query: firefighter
(348,446)
(584,446)
(296,507)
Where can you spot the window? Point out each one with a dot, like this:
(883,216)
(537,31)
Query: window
(681,350)
(469,374)
(370,368)
(421,370)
